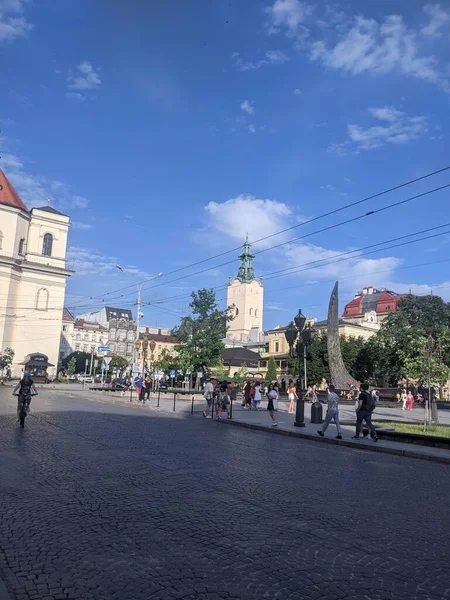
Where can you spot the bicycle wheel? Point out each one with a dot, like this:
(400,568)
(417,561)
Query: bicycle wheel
(23,414)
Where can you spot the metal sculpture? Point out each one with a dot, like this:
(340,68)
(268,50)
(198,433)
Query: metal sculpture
(340,377)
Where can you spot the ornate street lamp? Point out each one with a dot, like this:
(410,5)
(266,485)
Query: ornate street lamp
(299,337)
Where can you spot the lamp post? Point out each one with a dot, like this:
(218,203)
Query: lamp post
(152,346)
(299,337)
(431,350)
(138,314)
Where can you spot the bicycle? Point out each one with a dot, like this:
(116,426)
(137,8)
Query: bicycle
(26,399)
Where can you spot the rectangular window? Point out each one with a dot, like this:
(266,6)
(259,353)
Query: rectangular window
(63,341)
(64,327)
(85,348)
(77,347)
(277,347)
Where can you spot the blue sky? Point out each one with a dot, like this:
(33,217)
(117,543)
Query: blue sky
(168,129)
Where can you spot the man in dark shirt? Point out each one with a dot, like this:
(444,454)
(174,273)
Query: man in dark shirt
(24,390)
(364,412)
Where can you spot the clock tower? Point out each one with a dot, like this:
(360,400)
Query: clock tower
(245,295)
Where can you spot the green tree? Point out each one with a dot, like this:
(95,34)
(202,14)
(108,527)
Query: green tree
(80,360)
(201,333)
(71,366)
(6,358)
(119,362)
(166,362)
(398,347)
(271,374)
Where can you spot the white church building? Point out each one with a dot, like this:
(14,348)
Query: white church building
(33,278)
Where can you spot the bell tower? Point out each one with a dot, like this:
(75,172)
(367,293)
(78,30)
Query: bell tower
(246,295)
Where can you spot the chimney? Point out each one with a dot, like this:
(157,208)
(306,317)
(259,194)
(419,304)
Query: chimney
(159,331)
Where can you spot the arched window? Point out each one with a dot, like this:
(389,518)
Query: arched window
(256,312)
(121,348)
(47,245)
(251,311)
(42,299)
(237,311)
(22,246)
(1,240)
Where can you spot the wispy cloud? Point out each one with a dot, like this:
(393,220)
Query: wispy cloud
(288,15)
(271,57)
(80,225)
(439,18)
(83,81)
(396,128)
(247,106)
(86,261)
(298,92)
(36,190)
(12,21)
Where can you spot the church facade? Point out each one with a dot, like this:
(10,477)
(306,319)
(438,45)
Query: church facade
(245,294)
(33,278)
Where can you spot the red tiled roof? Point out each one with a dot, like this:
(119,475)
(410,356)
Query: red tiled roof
(382,301)
(67,317)
(8,194)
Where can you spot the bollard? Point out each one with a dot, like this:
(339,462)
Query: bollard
(192,405)
(174,400)
(159,395)
(231,408)
(131,393)
(316,412)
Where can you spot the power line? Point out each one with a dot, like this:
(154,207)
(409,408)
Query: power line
(312,220)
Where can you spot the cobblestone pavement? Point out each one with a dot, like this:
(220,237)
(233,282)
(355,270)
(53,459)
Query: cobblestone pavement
(100,501)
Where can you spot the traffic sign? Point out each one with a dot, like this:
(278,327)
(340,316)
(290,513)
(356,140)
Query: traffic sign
(107,360)
(104,349)
(172,373)
(95,363)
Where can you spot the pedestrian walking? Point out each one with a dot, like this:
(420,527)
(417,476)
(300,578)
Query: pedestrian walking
(223,401)
(208,394)
(404,399)
(410,400)
(272,404)
(292,396)
(232,392)
(247,394)
(332,413)
(138,383)
(256,395)
(147,388)
(364,413)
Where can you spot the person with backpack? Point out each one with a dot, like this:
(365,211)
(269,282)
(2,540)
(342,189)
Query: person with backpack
(366,407)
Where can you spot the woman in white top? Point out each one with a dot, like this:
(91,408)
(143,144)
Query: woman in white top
(257,395)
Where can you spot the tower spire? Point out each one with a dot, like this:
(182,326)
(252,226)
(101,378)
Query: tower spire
(246,272)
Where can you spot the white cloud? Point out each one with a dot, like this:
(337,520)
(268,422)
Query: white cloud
(36,190)
(378,48)
(287,15)
(271,57)
(252,128)
(85,261)
(233,219)
(439,18)
(247,214)
(80,225)
(399,129)
(86,79)
(298,92)
(247,107)
(12,22)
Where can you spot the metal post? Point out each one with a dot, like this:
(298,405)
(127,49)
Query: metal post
(174,400)
(304,366)
(300,405)
(131,390)
(92,362)
(192,405)
(231,407)
(159,395)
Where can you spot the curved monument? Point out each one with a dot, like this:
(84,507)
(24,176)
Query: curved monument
(340,377)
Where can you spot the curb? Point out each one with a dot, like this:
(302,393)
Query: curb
(349,444)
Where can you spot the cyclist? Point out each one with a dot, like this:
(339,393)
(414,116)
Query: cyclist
(25,388)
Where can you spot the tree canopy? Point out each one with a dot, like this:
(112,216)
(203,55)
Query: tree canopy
(201,333)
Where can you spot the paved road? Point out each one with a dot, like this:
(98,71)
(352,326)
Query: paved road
(109,502)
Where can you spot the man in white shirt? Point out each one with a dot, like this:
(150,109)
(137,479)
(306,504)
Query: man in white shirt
(208,394)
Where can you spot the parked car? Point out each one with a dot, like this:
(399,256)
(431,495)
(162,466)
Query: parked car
(163,385)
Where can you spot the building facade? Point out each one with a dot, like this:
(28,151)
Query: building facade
(33,278)
(371,306)
(67,334)
(152,345)
(245,294)
(119,329)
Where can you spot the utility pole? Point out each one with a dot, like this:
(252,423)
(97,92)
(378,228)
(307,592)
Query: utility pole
(138,315)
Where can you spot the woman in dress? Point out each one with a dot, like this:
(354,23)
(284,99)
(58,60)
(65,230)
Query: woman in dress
(272,404)
(292,396)
(410,400)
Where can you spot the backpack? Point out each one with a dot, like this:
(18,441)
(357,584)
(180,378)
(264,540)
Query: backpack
(252,391)
(370,403)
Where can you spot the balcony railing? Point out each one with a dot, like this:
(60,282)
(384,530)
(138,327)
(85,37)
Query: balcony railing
(52,261)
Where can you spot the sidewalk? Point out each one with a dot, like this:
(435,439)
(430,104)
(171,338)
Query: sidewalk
(260,420)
